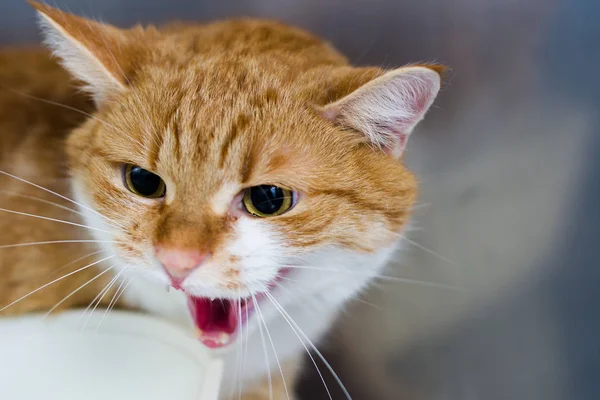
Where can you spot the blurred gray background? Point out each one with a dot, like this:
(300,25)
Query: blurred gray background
(510,173)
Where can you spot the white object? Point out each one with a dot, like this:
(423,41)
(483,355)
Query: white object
(131,356)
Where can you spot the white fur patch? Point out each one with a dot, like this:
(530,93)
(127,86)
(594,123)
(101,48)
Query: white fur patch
(259,253)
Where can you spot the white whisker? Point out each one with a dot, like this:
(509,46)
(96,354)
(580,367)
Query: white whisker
(53,219)
(238,355)
(77,260)
(308,293)
(51,203)
(10,246)
(368,303)
(112,302)
(104,292)
(54,281)
(245,358)
(65,106)
(425,249)
(383,277)
(288,318)
(241,341)
(105,288)
(75,291)
(61,196)
(287,395)
(121,294)
(262,338)
(270,297)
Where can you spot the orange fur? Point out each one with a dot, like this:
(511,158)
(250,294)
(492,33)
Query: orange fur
(235,102)
(32,135)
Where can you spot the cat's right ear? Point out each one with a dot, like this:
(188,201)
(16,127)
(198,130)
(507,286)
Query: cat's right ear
(94,53)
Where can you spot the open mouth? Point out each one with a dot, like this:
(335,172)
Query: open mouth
(218,320)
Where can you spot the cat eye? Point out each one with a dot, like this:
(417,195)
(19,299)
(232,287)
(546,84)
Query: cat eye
(267,201)
(142,182)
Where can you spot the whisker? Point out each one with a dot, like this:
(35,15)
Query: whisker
(287,395)
(61,196)
(270,297)
(121,294)
(53,219)
(112,302)
(303,291)
(245,358)
(288,318)
(238,372)
(94,299)
(10,246)
(67,107)
(418,206)
(54,281)
(297,282)
(241,340)
(262,338)
(425,249)
(105,291)
(52,203)
(368,303)
(60,269)
(382,277)
(75,291)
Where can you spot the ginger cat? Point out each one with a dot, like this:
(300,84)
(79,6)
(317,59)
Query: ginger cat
(244,164)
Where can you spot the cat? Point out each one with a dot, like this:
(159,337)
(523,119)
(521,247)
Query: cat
(239,178)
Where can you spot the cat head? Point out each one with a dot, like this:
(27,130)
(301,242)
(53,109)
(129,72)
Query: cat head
(239,158)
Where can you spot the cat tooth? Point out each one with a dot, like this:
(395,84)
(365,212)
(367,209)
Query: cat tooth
(199,333)
(224,338)
(212,298)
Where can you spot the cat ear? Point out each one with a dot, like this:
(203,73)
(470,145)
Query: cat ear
(387,108)
(91,51)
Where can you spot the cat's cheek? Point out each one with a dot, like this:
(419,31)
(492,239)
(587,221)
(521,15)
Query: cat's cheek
(107,228)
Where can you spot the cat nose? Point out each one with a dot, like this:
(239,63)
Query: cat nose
(179,263)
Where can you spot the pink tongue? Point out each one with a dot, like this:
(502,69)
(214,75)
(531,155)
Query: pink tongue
(216,320)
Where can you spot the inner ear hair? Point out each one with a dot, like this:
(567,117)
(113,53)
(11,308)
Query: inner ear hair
(387,108)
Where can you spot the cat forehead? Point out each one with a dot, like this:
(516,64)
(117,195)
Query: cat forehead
(210,94)
(218,76)
(244,136)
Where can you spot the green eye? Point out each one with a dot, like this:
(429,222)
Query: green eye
(267,201)
(143,183)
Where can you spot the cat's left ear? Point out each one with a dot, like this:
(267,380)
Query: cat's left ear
(387,108)
(95,53)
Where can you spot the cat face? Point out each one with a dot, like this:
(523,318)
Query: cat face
(231,174)
(212,161)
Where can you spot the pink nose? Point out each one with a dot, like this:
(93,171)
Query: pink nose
(179,263)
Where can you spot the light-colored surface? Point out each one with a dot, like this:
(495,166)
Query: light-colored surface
(129,357)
